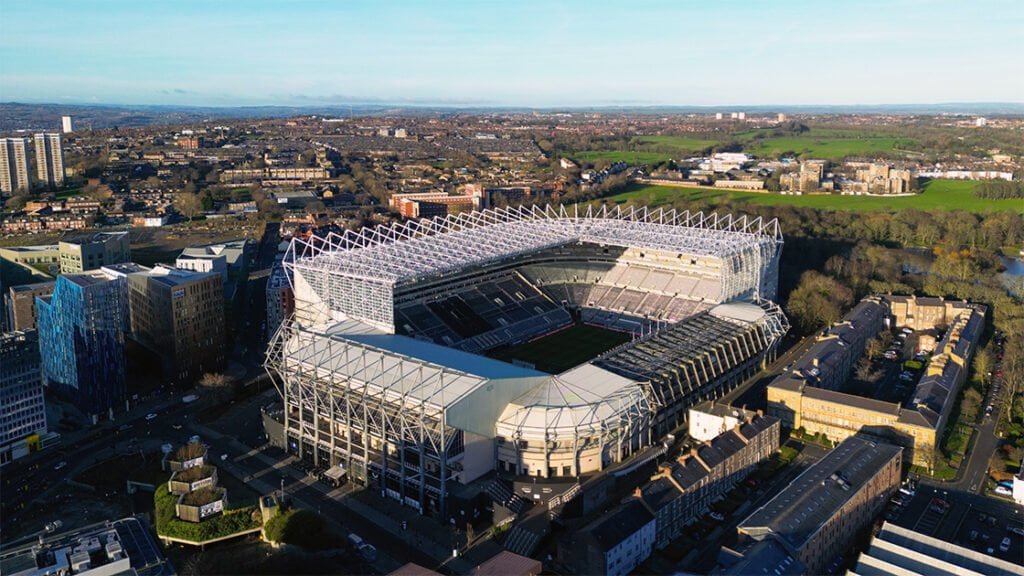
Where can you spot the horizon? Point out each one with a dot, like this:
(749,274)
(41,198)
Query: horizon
(529,55)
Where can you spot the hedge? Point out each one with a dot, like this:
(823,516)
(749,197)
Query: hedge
(224,524)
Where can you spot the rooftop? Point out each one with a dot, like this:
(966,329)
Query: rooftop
(429,247)
(799,511)
(898,551)
(611,529)
(119,547)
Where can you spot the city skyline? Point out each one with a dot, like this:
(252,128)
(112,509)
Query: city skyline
(530,54)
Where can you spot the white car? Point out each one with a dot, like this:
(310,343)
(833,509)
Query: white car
(1003,491)
(151,416)
(1004,546)
(59,465)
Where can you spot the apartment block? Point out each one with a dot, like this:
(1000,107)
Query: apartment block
(818,515)
(809,396)
(49,160)
(13,166)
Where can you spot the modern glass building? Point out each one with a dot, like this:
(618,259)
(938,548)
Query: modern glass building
(82,329)
(22,409)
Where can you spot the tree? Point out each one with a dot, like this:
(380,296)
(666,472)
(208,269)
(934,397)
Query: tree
(983,363)
(817,301)
(188,205)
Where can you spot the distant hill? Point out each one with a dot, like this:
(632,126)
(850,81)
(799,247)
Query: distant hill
(21,116)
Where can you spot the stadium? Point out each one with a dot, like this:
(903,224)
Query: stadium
(521,342)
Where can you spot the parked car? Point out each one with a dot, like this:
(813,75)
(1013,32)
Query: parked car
(717,516)
(1016,530)
(1004,546)
(151,416)
(1003,491)
(60,465)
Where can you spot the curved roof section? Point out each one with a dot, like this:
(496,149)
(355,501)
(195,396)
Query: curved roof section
(428,247)
(583,401)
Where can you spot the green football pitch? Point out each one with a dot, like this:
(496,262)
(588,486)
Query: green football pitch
(564,349)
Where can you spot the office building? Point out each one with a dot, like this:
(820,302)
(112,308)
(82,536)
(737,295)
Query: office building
(235,254)
(683,491)
(49,160)
(899,551)
(82,328)
(21,304)
(810,395)
(179,315)
(13,166)
(818,514)
(123,546)
(65,123)
(93,251)
(22,410)
(613,545)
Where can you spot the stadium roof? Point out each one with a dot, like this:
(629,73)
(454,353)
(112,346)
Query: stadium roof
(582,401)
(405,251)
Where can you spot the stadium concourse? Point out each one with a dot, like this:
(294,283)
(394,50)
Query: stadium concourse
(383,368)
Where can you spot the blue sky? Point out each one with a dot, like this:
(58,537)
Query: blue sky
(531,53)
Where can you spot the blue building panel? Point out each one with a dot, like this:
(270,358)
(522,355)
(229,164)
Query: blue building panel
(82,328)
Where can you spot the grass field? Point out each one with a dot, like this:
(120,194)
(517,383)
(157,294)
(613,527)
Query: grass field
(936,195)
(823,147)
(564,349)
(681,144)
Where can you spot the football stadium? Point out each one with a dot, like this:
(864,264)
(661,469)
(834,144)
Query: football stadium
(522,342)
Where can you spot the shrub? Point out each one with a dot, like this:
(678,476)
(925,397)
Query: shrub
(301,528)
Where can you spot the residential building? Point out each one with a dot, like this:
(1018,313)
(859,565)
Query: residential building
(93,251)
(767,556)
(21,304)
(82,328)
(13,166)
(708,420)
(280,298)
(123,546)
(179,315)
(614,544)
(683,491)
(809,395)
(899,551)
(818,515)
(49,160)
(65,123)
(22,409)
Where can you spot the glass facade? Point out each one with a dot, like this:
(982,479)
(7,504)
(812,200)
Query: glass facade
(81,336)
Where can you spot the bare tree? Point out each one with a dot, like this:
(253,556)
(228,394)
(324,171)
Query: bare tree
(188,205)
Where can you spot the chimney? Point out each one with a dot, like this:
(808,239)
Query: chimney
(637,492)
(760,413)
(814,362)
